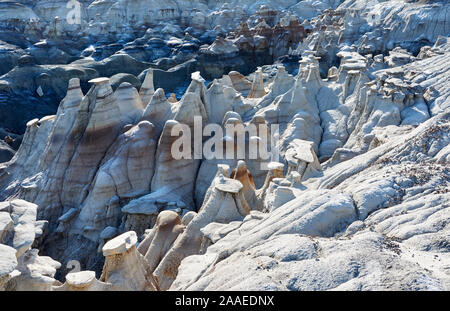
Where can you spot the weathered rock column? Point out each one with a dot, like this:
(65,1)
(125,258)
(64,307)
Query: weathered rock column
(125,267)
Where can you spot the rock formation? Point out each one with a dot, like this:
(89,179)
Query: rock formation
(225,202)
(125,268)
(22,269)
(304,145)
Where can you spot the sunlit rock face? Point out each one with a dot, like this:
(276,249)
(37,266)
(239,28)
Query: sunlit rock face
(289,248)
(335,175)
(162,236)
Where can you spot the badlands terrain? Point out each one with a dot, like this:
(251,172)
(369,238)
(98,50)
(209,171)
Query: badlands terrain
(93,198)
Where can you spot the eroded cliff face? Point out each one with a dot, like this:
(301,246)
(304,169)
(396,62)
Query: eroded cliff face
(122,39)
(44,44)
(359,189)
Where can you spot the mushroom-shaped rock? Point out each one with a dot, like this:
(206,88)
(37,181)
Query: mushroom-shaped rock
(209,170)
(224,203)
(121,244)
(83,281)
(228,185)
(80,280)
(302,158)
(275,172)
(66,218)
(125,268)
